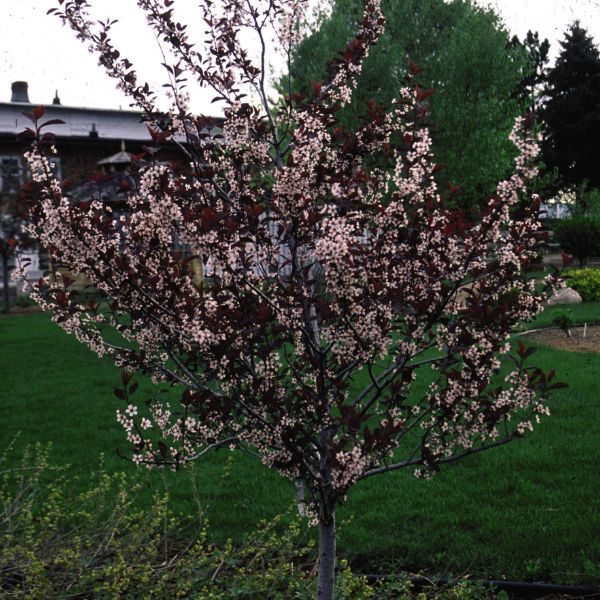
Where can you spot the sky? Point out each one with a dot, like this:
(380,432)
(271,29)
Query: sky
(36,48)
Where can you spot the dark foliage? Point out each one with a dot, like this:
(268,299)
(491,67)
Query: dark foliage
(531,85)
(571,111)
(579,236)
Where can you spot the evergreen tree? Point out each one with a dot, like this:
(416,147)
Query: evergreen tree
(531,86)
(572,110)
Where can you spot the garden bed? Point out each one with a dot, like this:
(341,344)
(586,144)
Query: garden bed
(554,337)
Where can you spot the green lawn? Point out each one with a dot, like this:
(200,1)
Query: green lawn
(586,312)
(528,510)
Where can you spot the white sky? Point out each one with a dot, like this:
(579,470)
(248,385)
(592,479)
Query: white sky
(36,48)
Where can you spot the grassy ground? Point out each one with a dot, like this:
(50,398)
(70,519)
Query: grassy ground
(586,312)
(528,510)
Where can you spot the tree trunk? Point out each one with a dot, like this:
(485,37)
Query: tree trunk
(300,497)
(325,589)
(6,278)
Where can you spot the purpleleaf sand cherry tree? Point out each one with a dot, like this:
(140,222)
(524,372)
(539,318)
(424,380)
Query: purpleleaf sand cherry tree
(338,272)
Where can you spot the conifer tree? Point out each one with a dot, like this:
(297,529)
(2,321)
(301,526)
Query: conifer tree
(572,110)
(530,88)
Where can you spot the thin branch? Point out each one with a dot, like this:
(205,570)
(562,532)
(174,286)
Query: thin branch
(213,446)
(418,461)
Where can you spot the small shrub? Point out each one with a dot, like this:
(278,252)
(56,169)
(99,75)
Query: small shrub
(565,320)
(579,236)
(23,301)
(586,282)
(54,544)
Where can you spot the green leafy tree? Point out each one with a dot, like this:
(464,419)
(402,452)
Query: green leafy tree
(587,201)
(572,110)
(466,55)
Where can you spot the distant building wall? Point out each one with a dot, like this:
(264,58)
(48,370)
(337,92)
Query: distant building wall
(556,210)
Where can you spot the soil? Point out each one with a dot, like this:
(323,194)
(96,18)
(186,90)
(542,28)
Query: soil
(556,338)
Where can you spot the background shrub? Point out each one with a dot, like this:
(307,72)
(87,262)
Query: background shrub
(564,319)
(579,236)
(586,282)
(23,301)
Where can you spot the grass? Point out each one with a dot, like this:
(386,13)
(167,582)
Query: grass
(54,390)
(586,312)
(529,510)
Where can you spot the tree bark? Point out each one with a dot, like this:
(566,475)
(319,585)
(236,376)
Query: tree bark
(326,584)
(5,278)
(300,497)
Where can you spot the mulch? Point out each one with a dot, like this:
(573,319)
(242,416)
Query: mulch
(556,338)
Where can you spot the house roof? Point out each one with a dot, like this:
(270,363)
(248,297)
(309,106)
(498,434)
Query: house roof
(80,122)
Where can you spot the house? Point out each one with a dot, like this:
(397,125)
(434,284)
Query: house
(91,140)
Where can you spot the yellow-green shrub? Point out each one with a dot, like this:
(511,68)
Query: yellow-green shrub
(98,544)
(586,282)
